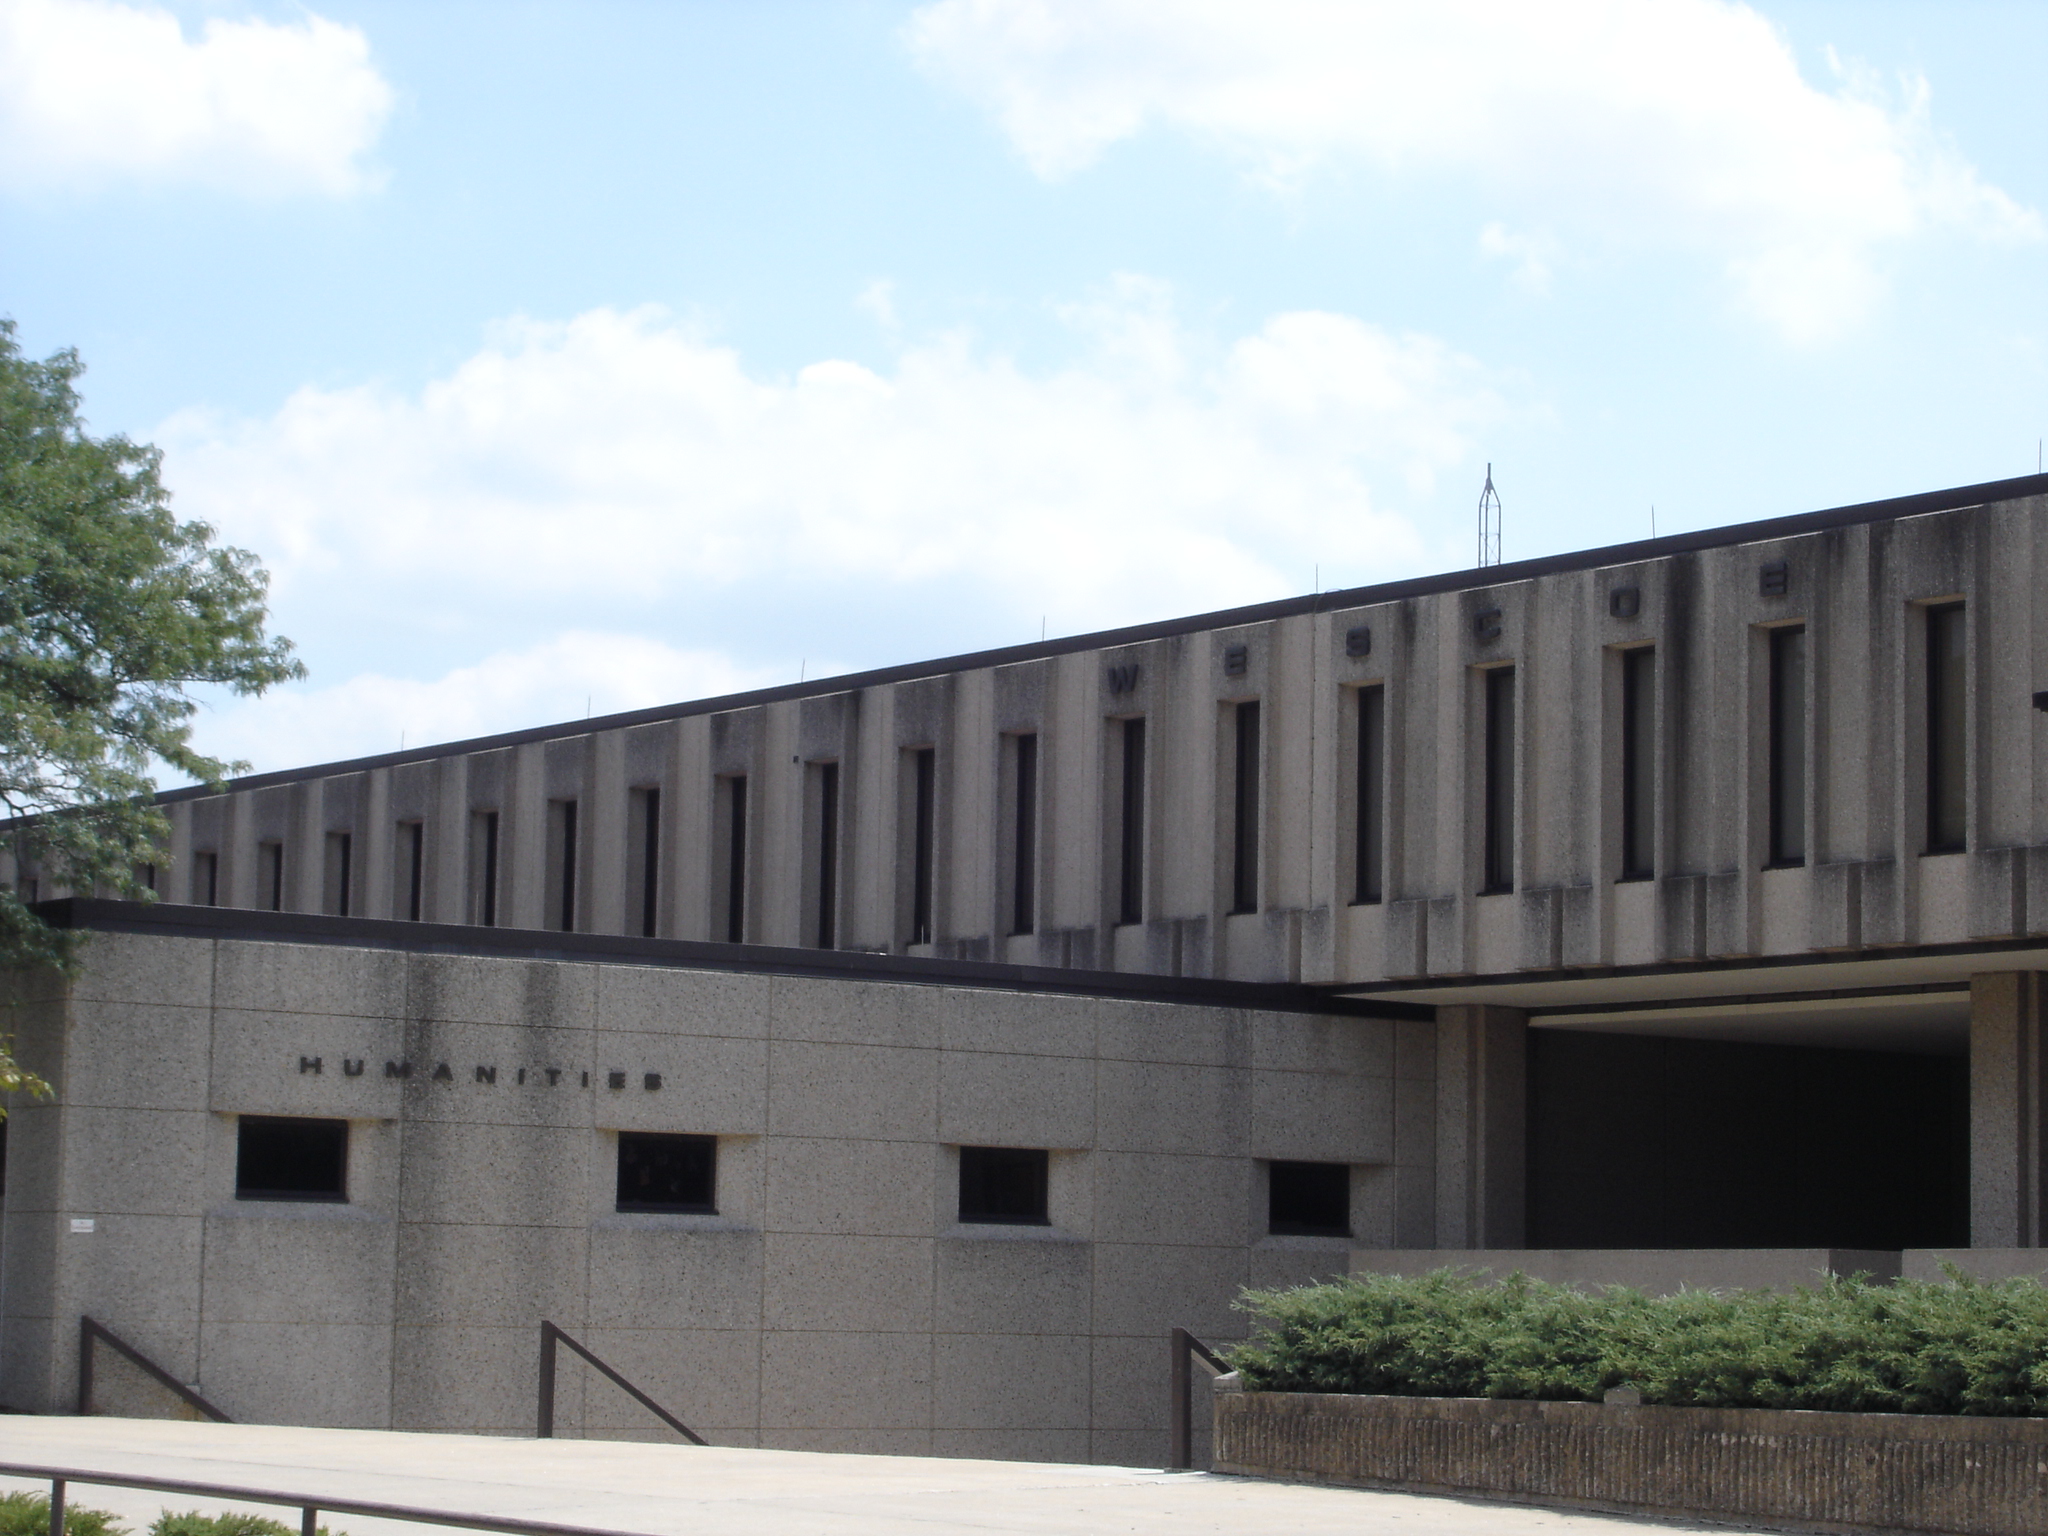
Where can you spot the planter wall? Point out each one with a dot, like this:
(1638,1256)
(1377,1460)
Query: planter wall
(1802,1471)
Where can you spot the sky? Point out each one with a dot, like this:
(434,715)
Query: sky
(564,359)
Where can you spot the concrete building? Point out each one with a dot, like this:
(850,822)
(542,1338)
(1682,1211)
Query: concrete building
(1688,896)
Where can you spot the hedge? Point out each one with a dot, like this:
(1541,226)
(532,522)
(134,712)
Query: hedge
(1958,1346)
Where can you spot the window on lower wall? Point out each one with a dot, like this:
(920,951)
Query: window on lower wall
(1004,1186)
(279,1158)
(205,880)
(659,1172)
(270,876)
(1308,1199)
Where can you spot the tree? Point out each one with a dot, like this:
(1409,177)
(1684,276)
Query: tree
(110,608)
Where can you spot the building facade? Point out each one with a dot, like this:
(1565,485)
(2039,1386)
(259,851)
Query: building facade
(1706,880)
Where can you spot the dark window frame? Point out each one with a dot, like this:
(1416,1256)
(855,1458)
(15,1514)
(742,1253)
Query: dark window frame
(1497,874)
(1244,838)
(1005,1186)
(924,826)
(1296,1189)
(735,792)
(1369,853)
(413,836)
(828,855)
(1131,830)
(1024,837)
(1786,706)
(320,1140)
(1639,763)
(483,827)
(1948,728)
(702,1151)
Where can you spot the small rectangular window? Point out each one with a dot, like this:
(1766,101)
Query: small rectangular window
(1947,731)
(1639,763)
(1024,838)
(1244,841)
(560,874)
(145,876)
(643,860)
(1308,1199)
(1004,1186)
(923,841)
(668,1173)
(1367,884)
(1788,747)
(735,830)
(1131,831)
(205,880)
(270,876)
(408,888)
(483,868)
(339,876)
(291,1159)
(1499,792)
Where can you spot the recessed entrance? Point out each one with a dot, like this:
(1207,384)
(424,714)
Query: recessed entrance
(1643,1142)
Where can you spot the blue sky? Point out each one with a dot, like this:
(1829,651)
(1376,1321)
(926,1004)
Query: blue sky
(561,358)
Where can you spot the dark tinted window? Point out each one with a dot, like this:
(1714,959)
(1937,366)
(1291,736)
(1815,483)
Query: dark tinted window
(1003,1184)
(1309,1199)
(667,1173)
(278,1159)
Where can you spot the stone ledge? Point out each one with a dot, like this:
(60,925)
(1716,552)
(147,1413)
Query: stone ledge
(1802,1471)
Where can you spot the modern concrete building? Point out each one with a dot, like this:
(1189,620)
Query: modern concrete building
(966,1025)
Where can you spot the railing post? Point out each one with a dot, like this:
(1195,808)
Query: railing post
(544,1411)
(56,1506)
(309,1521)
(85,1346)
(1180,1453)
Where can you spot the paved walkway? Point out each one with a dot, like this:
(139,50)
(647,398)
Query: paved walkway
(672,1490)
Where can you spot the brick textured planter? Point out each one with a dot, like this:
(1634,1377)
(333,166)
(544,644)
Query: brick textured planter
(1801,1471)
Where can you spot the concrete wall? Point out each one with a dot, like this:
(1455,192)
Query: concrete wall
(833,1302)
(1860,590)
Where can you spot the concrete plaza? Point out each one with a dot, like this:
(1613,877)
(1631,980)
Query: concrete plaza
(670,1490)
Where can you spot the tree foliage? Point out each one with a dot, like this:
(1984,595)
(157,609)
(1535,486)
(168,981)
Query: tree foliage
(110,610)
(1907,1347)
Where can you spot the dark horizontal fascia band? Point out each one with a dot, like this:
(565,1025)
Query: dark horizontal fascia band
(1420,985)
(99,915)
(1757,999)
(1478,578)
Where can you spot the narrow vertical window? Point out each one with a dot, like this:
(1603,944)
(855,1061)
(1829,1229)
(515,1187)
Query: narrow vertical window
(1500,780)
(1244,875)
(1639,763)
(1372,795)
(1947,732)
(560,873)
(409,882)
(643,860)
(338,875)
(828,855)
(1024,840)
(205,880)
(1788,747)
(145,876)
(736,859)
(483,868)
(923,842)
(1131,855)
(270,876)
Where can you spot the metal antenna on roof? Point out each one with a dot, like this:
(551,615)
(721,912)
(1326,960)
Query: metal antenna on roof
(1489,522)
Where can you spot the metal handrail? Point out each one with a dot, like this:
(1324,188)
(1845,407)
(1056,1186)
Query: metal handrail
(544,1411)
(1182,1346)
(91,1332)
(310,1506)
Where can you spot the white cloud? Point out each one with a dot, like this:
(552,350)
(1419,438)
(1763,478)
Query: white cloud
(1639,123)
(622,456)
(91,89)
(576,674)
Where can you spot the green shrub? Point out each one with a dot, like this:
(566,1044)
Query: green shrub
(1959,1346)
(28,1514)
(193,1523)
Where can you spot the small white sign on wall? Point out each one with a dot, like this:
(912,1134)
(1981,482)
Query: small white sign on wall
(81,1223)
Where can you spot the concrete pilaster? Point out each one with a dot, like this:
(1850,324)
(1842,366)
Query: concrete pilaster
(2008,1090)
(1482,1117)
